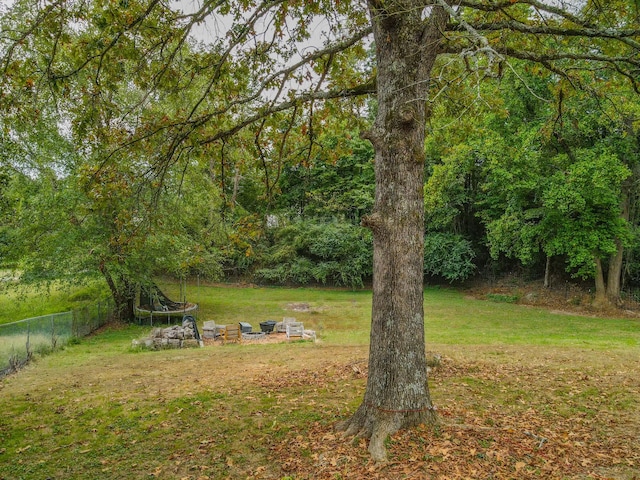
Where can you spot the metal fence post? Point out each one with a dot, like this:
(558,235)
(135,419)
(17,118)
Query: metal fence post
(28,338)
(53,332)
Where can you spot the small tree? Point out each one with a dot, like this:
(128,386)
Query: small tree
(582,209)
(84,220)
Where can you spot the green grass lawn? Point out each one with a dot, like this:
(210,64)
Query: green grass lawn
(99,409)
(342,317)
(18,303)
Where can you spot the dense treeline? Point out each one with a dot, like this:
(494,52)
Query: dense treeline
(533,175)
(528,170)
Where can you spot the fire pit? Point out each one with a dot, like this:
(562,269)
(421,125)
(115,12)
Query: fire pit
(253,335)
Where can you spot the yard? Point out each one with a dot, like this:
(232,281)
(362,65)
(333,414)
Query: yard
(521,392)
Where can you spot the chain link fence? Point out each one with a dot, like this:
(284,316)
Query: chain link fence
(19,341)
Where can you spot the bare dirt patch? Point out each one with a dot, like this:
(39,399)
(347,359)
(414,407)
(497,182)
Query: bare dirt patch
(299,307)
(303,307)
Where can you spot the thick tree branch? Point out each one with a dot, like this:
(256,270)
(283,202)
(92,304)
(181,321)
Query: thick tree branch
(623,36)
(626,62)
(497,6)
(540,57)
(285,73)
(368,88)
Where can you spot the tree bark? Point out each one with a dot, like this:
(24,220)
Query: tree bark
(123,296)
(128,307)
(547,273)
(236,188)
(601,291)
(614,274)
(397,393)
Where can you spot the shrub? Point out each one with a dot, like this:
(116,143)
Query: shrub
(334,253)
(503,298)
(449,256)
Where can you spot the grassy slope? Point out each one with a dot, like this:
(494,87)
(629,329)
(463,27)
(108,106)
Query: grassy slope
(18,304)
(100,410)
(449,317)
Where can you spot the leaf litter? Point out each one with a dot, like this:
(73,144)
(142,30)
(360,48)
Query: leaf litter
(506,412)
(545,434)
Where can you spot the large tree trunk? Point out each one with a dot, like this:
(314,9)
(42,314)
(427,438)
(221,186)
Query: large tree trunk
(123,294)
(601,291)
(397,393)
(614,274)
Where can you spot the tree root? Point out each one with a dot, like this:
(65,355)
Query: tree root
(377,425)
(380,433)
(373,425)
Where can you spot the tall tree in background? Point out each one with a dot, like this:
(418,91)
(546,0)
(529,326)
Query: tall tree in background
(259,72)
(73,220)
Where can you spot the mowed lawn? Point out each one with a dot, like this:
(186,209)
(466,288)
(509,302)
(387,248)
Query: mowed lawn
(521,392)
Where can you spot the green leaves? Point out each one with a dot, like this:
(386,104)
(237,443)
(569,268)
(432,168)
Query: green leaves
(327,189)
(336,253)
(583,209)
(448,256)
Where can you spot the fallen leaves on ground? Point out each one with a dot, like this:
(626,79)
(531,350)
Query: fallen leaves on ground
(480,437)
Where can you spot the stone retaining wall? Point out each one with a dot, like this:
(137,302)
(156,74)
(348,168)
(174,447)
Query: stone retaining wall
(171,337)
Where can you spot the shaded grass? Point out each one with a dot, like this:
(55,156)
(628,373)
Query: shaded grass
(103,415)
(98,409)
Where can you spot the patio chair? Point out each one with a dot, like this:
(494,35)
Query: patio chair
(294,330)
(232,333)
(281,327)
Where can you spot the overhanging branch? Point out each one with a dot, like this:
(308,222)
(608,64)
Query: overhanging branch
(623,36)
(368,88)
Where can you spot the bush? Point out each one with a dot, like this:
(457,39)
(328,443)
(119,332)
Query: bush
(503,298)
(339,253)
(335,253)
(449,256)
